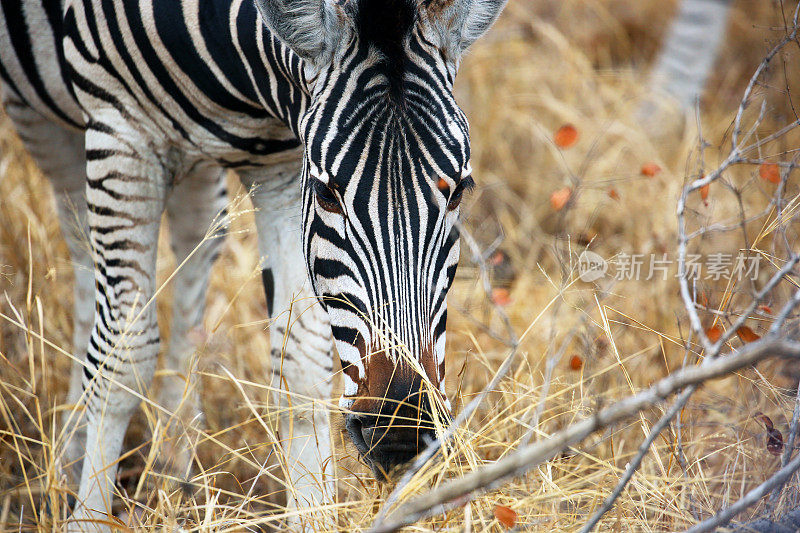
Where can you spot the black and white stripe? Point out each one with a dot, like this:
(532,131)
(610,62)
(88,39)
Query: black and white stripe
(690,50)
(341,119)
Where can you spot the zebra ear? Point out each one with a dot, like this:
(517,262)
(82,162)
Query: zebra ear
(467,21)
(309,27)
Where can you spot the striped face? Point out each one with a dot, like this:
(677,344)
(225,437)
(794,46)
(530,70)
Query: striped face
(385,170)
(387,162)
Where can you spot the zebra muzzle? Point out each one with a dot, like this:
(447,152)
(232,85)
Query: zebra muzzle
(390,439)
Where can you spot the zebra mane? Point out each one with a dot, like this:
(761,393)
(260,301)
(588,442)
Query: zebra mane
(386,25)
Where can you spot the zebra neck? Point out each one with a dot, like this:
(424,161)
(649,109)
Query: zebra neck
(274,70)
(226,50)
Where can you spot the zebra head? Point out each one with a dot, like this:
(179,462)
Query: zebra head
(386,162)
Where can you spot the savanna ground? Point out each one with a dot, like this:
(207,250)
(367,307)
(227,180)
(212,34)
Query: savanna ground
(546,64)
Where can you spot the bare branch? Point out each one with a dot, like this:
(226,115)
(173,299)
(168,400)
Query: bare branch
(521,461)
(737,124)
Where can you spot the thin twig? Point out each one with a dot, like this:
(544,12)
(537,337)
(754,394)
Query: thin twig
(751,498)
(548,376)
(787,452)
(634,464)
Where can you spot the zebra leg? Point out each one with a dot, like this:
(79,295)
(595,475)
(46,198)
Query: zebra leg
(196,203)
(60,155)
(125,193)
(302,347)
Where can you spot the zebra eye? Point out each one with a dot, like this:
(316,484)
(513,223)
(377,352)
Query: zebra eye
(455,198)
(326,198)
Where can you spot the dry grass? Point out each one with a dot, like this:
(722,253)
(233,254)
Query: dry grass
(579,62)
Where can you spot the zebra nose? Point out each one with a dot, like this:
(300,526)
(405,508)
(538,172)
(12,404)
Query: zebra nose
(354,426)
(387,442)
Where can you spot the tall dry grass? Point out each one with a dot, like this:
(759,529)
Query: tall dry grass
(546,64)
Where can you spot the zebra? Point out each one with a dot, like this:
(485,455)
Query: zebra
(690,50)
(338,116)
(683,65)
